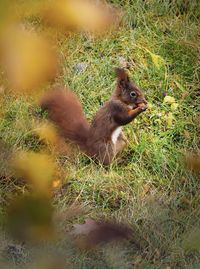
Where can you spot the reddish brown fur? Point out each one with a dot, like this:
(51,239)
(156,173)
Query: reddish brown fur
(65,110)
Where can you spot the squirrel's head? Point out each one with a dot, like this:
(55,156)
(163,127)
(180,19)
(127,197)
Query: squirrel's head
(127,91)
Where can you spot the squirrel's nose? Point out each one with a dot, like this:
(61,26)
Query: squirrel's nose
(141,100)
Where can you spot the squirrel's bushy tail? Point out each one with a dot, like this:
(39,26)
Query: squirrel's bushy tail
(65,110)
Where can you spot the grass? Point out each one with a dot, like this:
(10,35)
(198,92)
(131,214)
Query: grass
(148,186)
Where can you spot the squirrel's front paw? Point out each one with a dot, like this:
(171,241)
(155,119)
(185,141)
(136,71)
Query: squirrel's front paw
(142,106)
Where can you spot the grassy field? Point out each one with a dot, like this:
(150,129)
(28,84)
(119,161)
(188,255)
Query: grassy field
(148,186)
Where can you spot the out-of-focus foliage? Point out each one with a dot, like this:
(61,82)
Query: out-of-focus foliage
(27,58)
(47,133)
(80,15)
(30,217)
(38,168)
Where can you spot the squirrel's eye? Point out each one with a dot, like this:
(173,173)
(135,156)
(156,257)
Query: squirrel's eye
(132,94)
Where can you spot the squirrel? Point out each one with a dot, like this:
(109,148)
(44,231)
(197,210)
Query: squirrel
(103,138)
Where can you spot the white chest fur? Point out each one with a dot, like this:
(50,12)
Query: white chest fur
(130,106)
(116,134)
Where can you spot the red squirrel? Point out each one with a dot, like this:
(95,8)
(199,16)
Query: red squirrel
(103,138)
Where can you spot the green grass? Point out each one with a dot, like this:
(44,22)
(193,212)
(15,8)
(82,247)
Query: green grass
(163,216)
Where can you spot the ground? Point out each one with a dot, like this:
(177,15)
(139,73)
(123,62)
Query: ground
(149,186)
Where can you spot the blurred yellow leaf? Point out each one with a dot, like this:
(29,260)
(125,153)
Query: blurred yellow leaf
(80,15)
(169,99)
(174,106)
(23,9)
(38,168)
(56,183)
(27,58)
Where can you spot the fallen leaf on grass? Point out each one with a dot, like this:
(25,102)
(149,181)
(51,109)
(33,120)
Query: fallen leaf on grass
(169,100)
(157,60)
(174,106)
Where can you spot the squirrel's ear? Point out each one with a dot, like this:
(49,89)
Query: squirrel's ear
(121,74)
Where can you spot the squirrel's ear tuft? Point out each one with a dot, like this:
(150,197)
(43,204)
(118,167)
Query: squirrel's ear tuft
(121,74)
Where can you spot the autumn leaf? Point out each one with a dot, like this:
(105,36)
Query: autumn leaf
(169,100)
(157,60)
(174,106)
(56,183)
